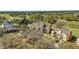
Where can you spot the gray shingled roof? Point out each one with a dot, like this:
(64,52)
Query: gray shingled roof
(8,26)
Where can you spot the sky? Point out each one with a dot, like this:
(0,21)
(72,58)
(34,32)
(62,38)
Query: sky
(38,5)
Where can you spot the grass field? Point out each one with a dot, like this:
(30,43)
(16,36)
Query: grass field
(75,32)
(74,27)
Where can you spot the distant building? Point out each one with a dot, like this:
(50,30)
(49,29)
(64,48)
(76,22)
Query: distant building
(35,25)
(39,26)
(64,34)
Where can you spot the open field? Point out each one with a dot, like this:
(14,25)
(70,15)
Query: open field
(74,27)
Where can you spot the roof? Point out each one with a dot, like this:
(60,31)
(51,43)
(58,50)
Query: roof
(8,26)
(65,31)
(36,24)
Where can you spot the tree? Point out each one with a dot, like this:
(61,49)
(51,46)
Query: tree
(52,21)
(36,17)
(61,23)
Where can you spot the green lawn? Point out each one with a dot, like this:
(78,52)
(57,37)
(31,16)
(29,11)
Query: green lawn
(74,27)
(74,24)
(75,32)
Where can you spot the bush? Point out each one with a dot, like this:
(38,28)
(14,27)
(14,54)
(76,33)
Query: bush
(61,23)
(68,45)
